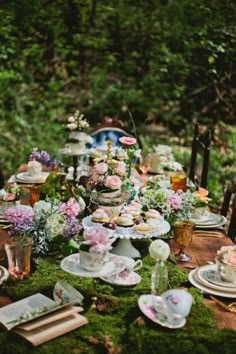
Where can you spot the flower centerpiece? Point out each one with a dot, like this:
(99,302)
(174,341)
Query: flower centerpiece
(19,245)
(160,251)
(226,263)
(9,196)
(52,225)
(38,158)
(173,205)
(77,126)
(94,248)
(200,203)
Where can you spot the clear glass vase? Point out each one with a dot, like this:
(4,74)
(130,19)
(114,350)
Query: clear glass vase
(18,251)
(159,278)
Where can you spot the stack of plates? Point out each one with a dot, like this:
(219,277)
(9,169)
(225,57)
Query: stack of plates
(211,220)
(207,279)
(24,177)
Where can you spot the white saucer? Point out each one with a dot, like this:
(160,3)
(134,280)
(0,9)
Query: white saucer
(209,275)
(195,282)
(71,264)
(213,220)
(24,177)
(3,274)
(117,279)
(145,303)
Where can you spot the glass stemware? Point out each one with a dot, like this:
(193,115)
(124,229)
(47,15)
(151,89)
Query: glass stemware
(183,231)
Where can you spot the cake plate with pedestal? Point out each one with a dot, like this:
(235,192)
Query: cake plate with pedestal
(125,247)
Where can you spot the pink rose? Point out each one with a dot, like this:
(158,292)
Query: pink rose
(231,258)
(175,201)
(98,238)
(120,168)
(125,140)
(101,168)
(113,182)
(71,208)
(9,197)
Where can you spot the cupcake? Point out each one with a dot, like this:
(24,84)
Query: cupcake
(152,214)
(134,212)
(125,220)
(99,216)
(142,228)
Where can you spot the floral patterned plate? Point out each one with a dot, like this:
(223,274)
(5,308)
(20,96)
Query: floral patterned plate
(71,264)
(24,177)
(117,279)
(146,302)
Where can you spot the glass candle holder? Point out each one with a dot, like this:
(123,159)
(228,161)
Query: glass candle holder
(183,232)
(34,194)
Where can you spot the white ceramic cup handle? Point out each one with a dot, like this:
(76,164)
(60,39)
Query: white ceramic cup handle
(137,265)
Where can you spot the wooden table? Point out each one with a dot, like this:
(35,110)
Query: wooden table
(203,249)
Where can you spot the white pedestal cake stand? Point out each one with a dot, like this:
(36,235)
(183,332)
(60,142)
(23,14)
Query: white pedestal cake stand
(125,247)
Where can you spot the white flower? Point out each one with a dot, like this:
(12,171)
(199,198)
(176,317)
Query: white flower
(159,250)
(3,193)
(54,225)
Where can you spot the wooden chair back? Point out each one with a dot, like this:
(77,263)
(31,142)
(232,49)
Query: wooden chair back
(200,148)
(228,208)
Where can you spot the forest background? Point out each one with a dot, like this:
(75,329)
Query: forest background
(170,62)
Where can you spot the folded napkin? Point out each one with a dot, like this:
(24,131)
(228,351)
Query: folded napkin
(209,233)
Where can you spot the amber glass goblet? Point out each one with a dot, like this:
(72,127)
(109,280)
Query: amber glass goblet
(183,232)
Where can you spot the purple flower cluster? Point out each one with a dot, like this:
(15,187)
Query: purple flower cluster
(72,227)
(44,158)
(21,220)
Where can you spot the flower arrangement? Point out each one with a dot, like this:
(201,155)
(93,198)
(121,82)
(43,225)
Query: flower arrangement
(172,205)
(11,194)
(201,197)
(44,158)
(96,239)
(110,173)
(227,254)
(77,122)
(48,223)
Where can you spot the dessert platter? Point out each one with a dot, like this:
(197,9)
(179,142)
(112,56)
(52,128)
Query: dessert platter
(128,232)
(26,178)
(207,279)
(146,302)
(210,220)
(71,264)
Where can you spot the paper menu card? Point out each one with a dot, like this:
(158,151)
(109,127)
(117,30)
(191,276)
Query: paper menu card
(24,310)
(38,319)
(60,322)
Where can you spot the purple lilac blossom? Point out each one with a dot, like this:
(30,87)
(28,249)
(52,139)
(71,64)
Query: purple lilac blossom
(21,220)
(72,227)
(44,158)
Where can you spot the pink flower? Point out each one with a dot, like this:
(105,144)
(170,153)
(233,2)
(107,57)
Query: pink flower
(71,208)
(175,201)
(101,168)
(18,215)
(72,126)
(9,197)
(98,238)
(120,168)
(113,182)
(127,141)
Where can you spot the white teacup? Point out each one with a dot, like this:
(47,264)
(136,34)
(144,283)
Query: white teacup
(64,292)
(200,212)
(34,168)
(178,301)
(131,266)
(93,261)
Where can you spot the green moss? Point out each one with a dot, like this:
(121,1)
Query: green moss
(118,318)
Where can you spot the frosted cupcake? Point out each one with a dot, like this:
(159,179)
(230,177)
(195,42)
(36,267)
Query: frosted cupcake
(152,214)
(125,223)
(142,228)
(99,216)
(135,212)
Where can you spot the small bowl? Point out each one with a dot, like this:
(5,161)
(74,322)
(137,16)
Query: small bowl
(227,272)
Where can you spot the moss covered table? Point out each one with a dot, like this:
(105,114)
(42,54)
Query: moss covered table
(118,326)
